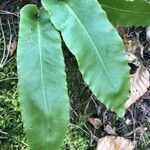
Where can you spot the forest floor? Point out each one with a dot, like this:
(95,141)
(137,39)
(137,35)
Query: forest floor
(83,132)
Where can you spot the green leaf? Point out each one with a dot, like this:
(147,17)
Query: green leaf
(42,80)
(97,47)
(123,12)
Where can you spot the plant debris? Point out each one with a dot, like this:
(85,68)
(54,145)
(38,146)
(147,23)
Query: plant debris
(111,131)
(11,47)
(95,122)
(139,85)
(115,143)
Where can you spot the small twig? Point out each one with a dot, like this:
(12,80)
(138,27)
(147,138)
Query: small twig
(73,111)
(87,105)
(10,41)
(93,137)
(81,105)
(7,62)
(11,78)
(129,133)
(4,44)
(3,12)
(78,127)
(14,26)
(97,107)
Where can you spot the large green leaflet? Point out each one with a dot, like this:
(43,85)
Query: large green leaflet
(97,47)
(42,80)
(123,12)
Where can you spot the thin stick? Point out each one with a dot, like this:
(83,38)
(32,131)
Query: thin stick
(3,12)
(7,62)
(73,111)
(78,127)
(10,41)
(11,78)
(4,52)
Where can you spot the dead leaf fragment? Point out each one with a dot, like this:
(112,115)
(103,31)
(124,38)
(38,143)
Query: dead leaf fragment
(95,122)
(12,47)
(115,143)
(110,130)
(128,121)
(141,129)
(140,82)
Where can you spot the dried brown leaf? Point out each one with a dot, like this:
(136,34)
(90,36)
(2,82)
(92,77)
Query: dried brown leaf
(95,122)
(141,129)
(114,143)
(140,82)
(12,47)
(110,130)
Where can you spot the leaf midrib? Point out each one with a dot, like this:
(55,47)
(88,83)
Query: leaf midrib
(124,10)
(42,79)
(100,58)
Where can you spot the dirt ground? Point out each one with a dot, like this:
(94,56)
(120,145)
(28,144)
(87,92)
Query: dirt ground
(82,135)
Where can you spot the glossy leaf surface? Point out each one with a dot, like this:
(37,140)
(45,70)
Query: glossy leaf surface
(42,80)
(123,12)
(97,47)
